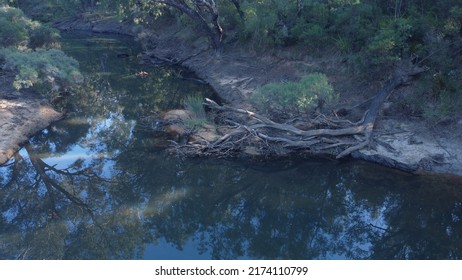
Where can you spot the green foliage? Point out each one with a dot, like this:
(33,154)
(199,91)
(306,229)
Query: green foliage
(354,23)
(267,23)
(390,43)
(44,37)
(438,96)
(18,30)
(229,17)
(194,104)
(50,10)
(311,34)
(11,33)
(445,106)
(453,24)
(49,68)
(42,66)
(285,99)
(13,26)
(310,27)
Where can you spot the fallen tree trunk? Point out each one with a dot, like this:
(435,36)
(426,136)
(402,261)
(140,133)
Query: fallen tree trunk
(340,137)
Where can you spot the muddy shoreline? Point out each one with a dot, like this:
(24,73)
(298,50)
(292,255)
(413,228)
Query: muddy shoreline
(21,116)
(234,73)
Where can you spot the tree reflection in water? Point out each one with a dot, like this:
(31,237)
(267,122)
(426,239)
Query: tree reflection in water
(309,210)
(95,187)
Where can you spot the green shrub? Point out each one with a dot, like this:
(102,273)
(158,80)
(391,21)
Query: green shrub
(194,104)
(355,24)
(44,37)
(12,14)
(12,34)
(291,98)
(50,68)
(444,106)
(18,30)
(268,23)
(390,43)
(13,26)
(313,35)
(437,97)
(453,24)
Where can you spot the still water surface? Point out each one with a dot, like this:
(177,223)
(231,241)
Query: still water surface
(97,186)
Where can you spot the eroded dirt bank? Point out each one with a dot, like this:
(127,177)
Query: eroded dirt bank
(21,116)
(406,143)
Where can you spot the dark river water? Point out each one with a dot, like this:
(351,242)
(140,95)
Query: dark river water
(98,186)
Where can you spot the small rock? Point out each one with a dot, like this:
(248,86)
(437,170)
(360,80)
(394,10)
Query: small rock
(176,130)
(206,132)
(177,115)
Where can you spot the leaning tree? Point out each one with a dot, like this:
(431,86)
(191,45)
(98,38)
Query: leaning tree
(205,14)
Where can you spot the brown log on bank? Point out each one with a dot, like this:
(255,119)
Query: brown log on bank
(316,140)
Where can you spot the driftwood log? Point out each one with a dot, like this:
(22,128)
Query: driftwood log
(330,134)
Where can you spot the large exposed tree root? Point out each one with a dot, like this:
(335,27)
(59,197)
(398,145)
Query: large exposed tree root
(327,134)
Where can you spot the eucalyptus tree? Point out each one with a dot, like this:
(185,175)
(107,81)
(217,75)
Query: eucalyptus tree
(205,13)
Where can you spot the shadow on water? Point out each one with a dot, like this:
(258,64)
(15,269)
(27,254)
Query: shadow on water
(95,187)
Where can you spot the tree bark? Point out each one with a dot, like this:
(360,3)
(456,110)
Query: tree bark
(213,11)
(215,37)
(237,5)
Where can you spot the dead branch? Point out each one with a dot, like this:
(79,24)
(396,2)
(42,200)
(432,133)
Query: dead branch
(330,133)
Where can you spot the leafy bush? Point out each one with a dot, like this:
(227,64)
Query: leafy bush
(355,24)
(312,35)
(12,33)
(285,99)
(438,96)
(44,37)
(390,43)
(50,68)
(13,26)
(18,30)
(310,27)
(267,23)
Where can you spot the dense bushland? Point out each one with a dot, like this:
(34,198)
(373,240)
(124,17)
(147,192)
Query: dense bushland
(29,49)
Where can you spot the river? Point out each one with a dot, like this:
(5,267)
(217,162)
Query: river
(96,185)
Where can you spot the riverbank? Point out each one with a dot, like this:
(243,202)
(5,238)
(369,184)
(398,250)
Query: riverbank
(22,115)
(406,143)
(412,144)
